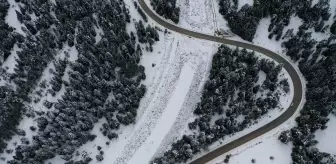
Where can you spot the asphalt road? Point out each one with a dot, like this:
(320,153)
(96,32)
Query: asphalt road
(286,64)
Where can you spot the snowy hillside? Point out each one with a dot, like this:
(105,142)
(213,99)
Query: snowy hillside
(279,34)
(101,82)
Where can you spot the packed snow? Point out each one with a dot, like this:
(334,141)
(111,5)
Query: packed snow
(261,36)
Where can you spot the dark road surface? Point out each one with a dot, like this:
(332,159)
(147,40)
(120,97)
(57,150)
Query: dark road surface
(286,64)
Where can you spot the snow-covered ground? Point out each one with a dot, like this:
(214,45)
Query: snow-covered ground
(193,58)
(261,150)
(261,36)
(193,18)
(176,71)
(241,3)
(171,70)
(197,15)
(11,18)
(326,137)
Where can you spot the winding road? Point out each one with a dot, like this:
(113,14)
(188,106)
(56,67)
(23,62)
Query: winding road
(298,87)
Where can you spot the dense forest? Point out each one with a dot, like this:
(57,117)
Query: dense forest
(104,82)
(244,22)
(231,93)
(316,61)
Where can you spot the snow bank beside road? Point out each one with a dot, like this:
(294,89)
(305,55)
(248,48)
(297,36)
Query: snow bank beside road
(144,153)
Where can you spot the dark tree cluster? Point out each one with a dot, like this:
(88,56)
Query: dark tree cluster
(231,91)
(10,105)
(244,22)
(167,9)
(36,50)
(56,81)
(317,63)
(146,35)
(104,82)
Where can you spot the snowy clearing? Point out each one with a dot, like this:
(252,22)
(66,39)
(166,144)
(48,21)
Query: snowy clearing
(193,63)
(241,3)
(261,36)
(327,136)
(196,15)
(261,151)
(11,18)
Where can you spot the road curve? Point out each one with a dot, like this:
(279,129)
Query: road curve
(298,88)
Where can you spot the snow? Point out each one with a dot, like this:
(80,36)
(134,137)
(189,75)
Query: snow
(11,18)
(325,137)
(194,7)
(24,125)
(314,2)
(267,143)
(174,84)
(241,3)
(261,36)
(182,101)
(261,151)
(171,112)
(158,80)
(219,21)
(195,15)
(128,135)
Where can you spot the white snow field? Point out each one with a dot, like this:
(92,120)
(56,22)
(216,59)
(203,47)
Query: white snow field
(261,150)
(326,137)
(190,64)
(176,71)
(196,15)
(241,3)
